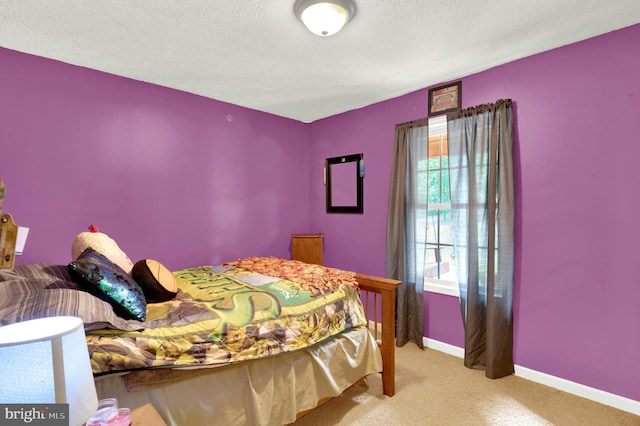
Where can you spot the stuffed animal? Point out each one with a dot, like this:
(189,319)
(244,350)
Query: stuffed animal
(156,282)
(104,245)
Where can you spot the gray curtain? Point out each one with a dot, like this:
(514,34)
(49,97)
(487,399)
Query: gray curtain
(482,208)
(406,230)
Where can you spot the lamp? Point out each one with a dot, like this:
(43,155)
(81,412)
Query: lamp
(45,361)
(324,18)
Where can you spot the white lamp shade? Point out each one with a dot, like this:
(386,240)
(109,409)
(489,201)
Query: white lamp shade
(45,361)
(324,18)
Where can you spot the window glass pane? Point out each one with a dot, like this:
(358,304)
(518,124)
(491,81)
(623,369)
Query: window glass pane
(434,163)
(446,228)
(423,185)
(439,266)
(448,264)
(431,262)
(423,165)
(446,197)
(421,227)
(434,187)
(432,227)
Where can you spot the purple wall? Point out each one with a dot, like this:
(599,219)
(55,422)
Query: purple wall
(170,176)
(577,288)
(166,175)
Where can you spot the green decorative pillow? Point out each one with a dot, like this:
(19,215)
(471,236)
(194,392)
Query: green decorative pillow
(106,280)
(157,282)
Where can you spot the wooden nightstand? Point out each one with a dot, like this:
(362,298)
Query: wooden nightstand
(146,415)
(307,248)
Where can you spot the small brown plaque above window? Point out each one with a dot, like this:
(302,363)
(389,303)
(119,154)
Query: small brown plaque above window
(444,99)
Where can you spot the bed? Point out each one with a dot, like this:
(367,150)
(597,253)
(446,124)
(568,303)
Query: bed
(309,333)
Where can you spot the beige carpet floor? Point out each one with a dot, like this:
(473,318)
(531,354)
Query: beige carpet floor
(433,388)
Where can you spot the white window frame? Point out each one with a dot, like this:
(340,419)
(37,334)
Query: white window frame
(437,126)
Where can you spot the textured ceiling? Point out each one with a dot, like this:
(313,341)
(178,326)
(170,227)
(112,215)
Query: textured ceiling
(256,54)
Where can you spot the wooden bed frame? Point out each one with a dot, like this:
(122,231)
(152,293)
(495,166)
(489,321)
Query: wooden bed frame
(377,292)
(385,289)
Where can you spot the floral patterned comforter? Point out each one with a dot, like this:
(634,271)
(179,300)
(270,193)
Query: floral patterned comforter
(247,309)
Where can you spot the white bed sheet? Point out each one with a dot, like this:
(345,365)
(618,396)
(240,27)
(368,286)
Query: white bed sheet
(268,391)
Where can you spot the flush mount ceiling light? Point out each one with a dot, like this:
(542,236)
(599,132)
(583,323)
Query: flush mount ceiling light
(324,18)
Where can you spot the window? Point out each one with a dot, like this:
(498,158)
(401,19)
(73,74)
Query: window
(440,267)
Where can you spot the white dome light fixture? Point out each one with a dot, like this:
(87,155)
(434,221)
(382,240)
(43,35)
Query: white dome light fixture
(324,18)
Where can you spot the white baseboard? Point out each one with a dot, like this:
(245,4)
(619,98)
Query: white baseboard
(564,385)
(443,347)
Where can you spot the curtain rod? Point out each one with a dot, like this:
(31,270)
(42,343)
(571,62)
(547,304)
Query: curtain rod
(456,114)
(414,122)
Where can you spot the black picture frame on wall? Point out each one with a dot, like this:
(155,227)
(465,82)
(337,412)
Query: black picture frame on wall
(445,98)
(344,180)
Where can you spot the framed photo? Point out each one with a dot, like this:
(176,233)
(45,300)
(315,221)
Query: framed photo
(444,99)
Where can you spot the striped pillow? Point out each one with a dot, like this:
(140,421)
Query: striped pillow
(24,299)
(36,271)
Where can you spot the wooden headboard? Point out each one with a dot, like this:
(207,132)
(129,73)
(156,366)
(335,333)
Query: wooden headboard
(8,237)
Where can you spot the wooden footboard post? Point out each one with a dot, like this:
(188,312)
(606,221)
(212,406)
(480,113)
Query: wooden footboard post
(386,288)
